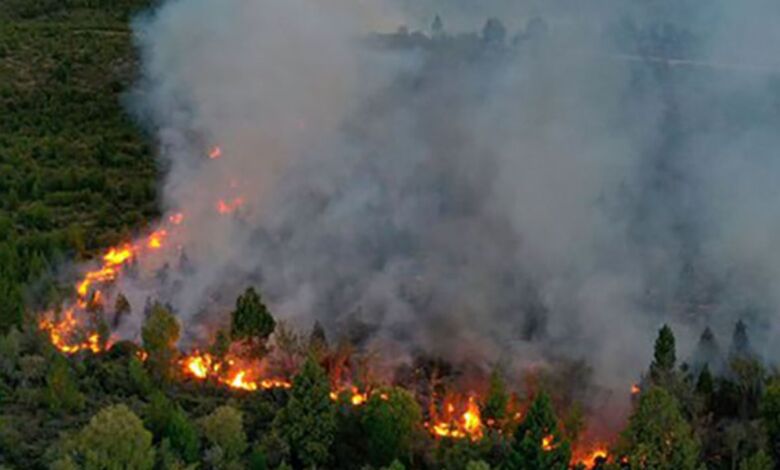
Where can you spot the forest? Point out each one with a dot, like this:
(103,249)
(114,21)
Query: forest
(79,179)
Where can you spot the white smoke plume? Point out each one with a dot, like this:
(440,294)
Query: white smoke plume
(559,192)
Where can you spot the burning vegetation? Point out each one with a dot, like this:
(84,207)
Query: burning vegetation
(255,355)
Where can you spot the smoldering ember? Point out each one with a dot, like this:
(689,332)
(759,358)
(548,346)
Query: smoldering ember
(389,234)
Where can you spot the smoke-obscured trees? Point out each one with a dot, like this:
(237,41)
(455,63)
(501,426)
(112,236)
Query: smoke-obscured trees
(664,354)
(770,410)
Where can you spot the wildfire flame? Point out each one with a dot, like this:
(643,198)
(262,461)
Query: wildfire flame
(63,330)
(176,218)
(155,240)
(468,424)
(547,443)
(590,457)
(227,207)
(215,152)
(205,366)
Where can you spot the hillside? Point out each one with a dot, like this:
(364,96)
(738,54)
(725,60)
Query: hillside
(76,174)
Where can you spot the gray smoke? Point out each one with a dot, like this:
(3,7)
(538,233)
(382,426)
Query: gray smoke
(558,192)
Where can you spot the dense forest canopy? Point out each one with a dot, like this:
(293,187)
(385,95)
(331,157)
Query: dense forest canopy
(227,244)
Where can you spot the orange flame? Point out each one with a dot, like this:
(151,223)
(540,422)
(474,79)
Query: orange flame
(469,424)
(215,152)
(635,390)
(61,333)
(227,207)
(590,457)
(155,240)
(176,218)
(547,443)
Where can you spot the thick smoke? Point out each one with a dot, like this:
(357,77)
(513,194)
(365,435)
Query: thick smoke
(558,192)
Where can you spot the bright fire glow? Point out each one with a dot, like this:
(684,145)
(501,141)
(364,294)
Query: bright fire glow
(176,218)
(61,333)
(227,207)
(547,443)
(590,457)
(155,240)
(468,424)
(215,152)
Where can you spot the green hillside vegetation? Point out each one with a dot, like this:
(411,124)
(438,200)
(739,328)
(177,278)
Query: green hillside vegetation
(76,174)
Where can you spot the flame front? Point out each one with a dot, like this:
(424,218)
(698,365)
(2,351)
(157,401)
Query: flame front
(468,424)
(590,457)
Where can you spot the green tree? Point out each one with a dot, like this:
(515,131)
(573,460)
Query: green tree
(11,304)
(160,334)
(307,423)
(657,435)
(61,388)
(497,399)
(224,428)
(770,413)
(758,461)
(251,322)
(114,439)
(168,421)
(664,355)
(390,421)
(477,465)
(538,443)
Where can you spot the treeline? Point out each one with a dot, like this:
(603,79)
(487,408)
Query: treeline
(125,409)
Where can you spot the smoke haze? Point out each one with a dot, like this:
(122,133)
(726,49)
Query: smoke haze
(561,192)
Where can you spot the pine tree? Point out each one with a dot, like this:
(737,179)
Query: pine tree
(658,436)
(707,353)
(705,384)
(390,422)
(497,399)
(251,322)
(437,27)
(664,355)
(494,32)
(168,421)
(538,443)
(62,389)
(160,333)
(740,343)
(770,414)
(318,342)
(307,423)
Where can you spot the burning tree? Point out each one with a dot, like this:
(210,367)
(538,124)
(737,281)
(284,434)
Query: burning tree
(538,443)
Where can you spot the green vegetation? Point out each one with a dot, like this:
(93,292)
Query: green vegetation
(76,174)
